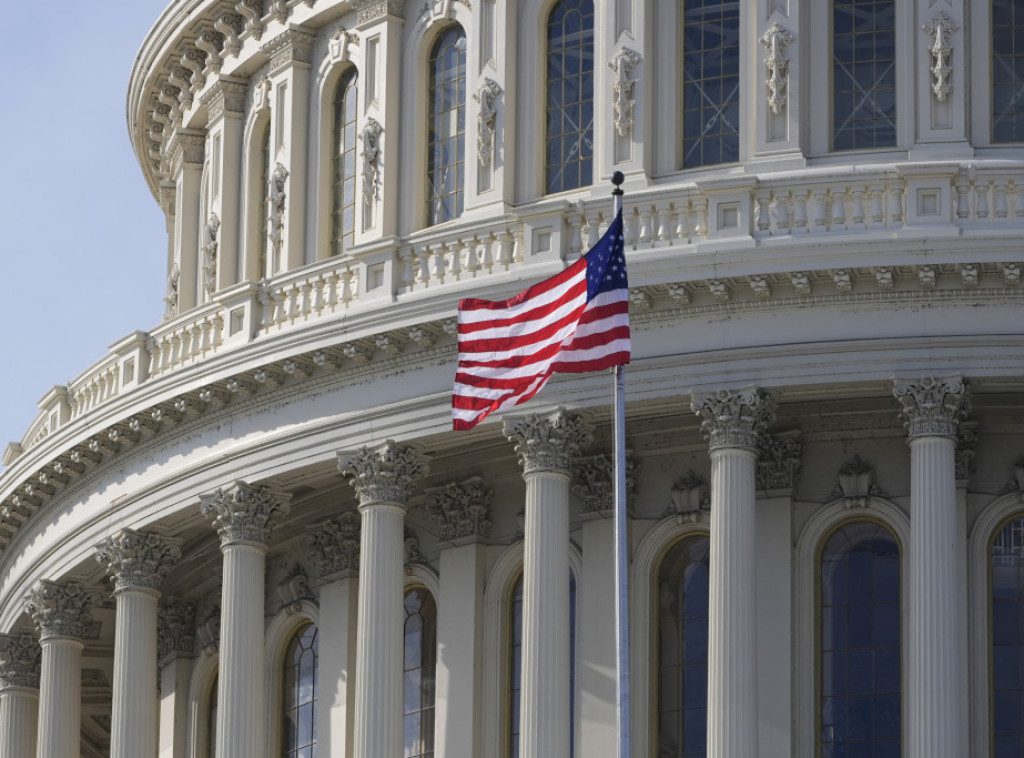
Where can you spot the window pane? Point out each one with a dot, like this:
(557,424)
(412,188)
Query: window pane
(863,74)
(711,82)
(300,693)
(570,95)
(420,667)
(343,164)
(683,649)
(446,126)
(859,642)
(1007,565)
(1007,71)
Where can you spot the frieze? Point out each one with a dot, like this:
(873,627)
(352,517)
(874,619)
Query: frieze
(461,509)
(176,628)
(224,96)
(734,418)
(932,406)
(371,10)
(336,544)
(593,482)
(291,46)
(243,513)
(20,658)
(547,442)
(383,475)
(62,610)
(138,560)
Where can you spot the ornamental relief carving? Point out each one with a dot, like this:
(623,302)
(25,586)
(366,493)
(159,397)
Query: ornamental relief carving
(461,509)
(63,610)
(775,40)
(624,63)
(857,485)
(932,407)
(231,26)
(370,10)
(778,461)
(549,442)
(171,298)
(209,251)
(291,46)
(593,482)
(244,513)
(370,139)
(734,418)
(487,96)
(336,544)
(176,628)
(20,658)
(940,28)
(966,440)
(383,475)
(278,194)
(690,498)
(137,560)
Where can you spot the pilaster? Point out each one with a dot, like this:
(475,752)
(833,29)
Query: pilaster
(939,68)
(137,564)
(932,409)
(175,647)
(186,151)
(545,446)
(243,516)
(19,695)
(382,478)
(732,422)
(774,48)
(62,614)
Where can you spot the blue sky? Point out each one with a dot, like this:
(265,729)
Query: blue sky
(82,241)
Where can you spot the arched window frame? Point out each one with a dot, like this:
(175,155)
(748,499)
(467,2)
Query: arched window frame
(278,638)
(808,550)
(418,576)
(330,74)
(200,693)
(643,623)
(468,157)
(984,530)
(498,624)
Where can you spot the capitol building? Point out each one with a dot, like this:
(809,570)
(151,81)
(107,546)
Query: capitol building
(250,531)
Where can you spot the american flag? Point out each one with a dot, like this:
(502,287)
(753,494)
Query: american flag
(578,320)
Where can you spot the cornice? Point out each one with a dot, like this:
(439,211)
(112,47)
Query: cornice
(293,46)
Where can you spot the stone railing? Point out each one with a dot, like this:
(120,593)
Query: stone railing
(934,199)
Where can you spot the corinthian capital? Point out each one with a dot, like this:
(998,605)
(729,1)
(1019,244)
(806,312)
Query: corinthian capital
(384,474)
(242,514)
(135,560)
(734,418)
(932,407)
(62,610)
(548,443)
(19,661)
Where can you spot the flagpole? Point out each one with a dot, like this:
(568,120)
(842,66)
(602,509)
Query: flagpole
(621,555)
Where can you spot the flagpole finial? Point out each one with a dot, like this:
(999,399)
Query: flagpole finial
(617,179)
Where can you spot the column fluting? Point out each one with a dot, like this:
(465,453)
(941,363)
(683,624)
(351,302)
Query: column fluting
(381,478)
(19,695)
(546,446)
(731,422)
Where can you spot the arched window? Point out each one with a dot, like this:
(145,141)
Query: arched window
(264,207)
(863,74)
(300,694)
(343,164)
(1007,624)
(859,642)
(569,136)
(711,82)
(420,672)
(211,719)
(515,677)
(682,597)
(1007,72)
(446,139)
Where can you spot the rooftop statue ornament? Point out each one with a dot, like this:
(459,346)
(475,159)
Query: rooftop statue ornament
(371,159)
(210,255)
(940,28)
(775,40)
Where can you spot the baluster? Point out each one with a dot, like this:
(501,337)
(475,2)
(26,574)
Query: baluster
(307,301)
(279,306)
(218,331)
(1018,196)
(346,287)
(486,244)
(453,262)
(701,227)
(468,249)
(517,247)
(780,213)
(353,283)
(896,204)
(1001,211)
(764,223)
(332,290)
(858,208)
(682,221)
(645,227)
(629,229)
(981,200)
(800,212)
(197,333)
(818,210)
(437,256)
(319,283)
(153,362)
(504,249)
(877,210)
(963,202)
(407,257)
(593,228)
(838,210)
(575,235)
(664,225)
(205,337)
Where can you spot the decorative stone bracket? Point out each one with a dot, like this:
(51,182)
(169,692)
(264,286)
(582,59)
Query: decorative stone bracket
(940,28)
(775,40)
(623,63)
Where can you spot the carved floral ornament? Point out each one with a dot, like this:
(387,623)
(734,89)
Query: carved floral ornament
(857,485)
(547,442)
(940,28)
(734,418)
(62,610)
(461,509)
(778,461)
(136,560)
(775,40)
(593,482)
(932,407)
(336,544)
(689,498)
(20,658)
(242,514)
(487,96)
(624,63)
(383,475)
(176,628)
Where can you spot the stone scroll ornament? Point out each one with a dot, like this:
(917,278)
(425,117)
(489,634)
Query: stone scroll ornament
(775,40)
(940,28)
(487,96)
(623,63)
(371,159)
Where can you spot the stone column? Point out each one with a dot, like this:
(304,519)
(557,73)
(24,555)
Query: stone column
(19,695)
(732,421)
(242,515)
(137,563)
(381,478)
(936,714)
(62,616)
(546,446)
(461,510)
